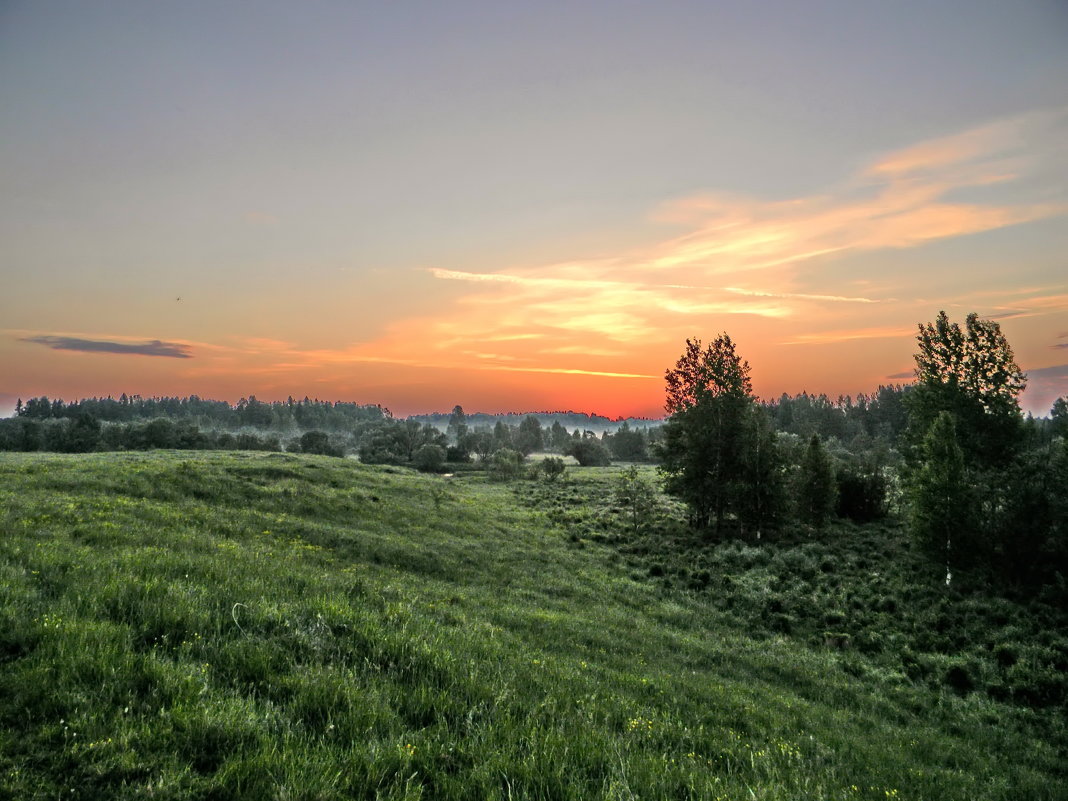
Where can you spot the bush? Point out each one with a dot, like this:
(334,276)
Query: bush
(637,497)
(862,493)
(429,458)
(1006,655)
(318,442)
(589,453)
(959,678)
(457,455)
(506,465)
(552,468)
(160,433)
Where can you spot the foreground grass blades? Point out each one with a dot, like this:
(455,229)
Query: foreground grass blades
(177,625)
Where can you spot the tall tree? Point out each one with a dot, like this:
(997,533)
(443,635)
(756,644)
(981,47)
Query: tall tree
(715,371)
(1059,417)
(558,436)
(973,375)
(479,443)
(502,435)
(528,438)
(941,495)
(969,377)
(816,489)
(759,497)
(709,395)
(457,424)
(628,444)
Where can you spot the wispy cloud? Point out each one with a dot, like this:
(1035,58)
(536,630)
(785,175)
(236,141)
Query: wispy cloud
(758,258)
(903,374)
(1033,306)
(317,360)
(997,146)
(791,271)
(801,296)
(572,371)
(832,337)
(155,347)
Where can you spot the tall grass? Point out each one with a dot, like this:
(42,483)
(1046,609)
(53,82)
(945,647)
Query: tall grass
(183,626)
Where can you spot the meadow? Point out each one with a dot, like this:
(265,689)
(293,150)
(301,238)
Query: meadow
(227,625)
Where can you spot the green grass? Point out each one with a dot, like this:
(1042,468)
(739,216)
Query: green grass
(864,589)
(177,625)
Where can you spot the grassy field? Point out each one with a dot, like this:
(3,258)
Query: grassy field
(269,626)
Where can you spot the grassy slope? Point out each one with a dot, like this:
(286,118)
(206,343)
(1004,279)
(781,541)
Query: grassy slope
(272,626)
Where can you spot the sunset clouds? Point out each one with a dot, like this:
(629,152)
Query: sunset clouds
(749,258)
(738,261)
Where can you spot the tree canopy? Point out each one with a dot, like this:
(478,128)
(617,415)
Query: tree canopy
(973,375)
(715,371)
(705,452)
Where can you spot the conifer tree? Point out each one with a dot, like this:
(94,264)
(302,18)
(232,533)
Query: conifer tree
(940,495)
(759,497)
(816,490)
(1059,417)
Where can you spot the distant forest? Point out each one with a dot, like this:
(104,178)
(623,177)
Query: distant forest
(133,422)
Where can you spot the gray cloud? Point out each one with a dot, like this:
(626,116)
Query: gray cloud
(905,374)
(1044,386)
(1007,315)
(1060,345)
(152,348)
(1056,371)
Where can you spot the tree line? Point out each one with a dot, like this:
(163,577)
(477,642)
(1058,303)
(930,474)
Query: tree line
(985,490)
(287,415)
(426,447)
(983,487)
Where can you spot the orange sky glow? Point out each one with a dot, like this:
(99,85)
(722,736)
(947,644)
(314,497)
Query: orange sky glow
(290,288)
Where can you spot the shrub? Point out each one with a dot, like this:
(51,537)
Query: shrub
(637,496)
(1005,655)
(506,465)
(552,468)
(457,455)
(429,458)
(589,453)
(959,678)
(318,442)
(862,493)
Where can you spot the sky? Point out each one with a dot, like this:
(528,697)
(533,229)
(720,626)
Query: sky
(523,206)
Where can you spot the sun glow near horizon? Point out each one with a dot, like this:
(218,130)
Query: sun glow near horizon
(538,223)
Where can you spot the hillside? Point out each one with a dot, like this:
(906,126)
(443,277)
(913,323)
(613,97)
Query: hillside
(235,625)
